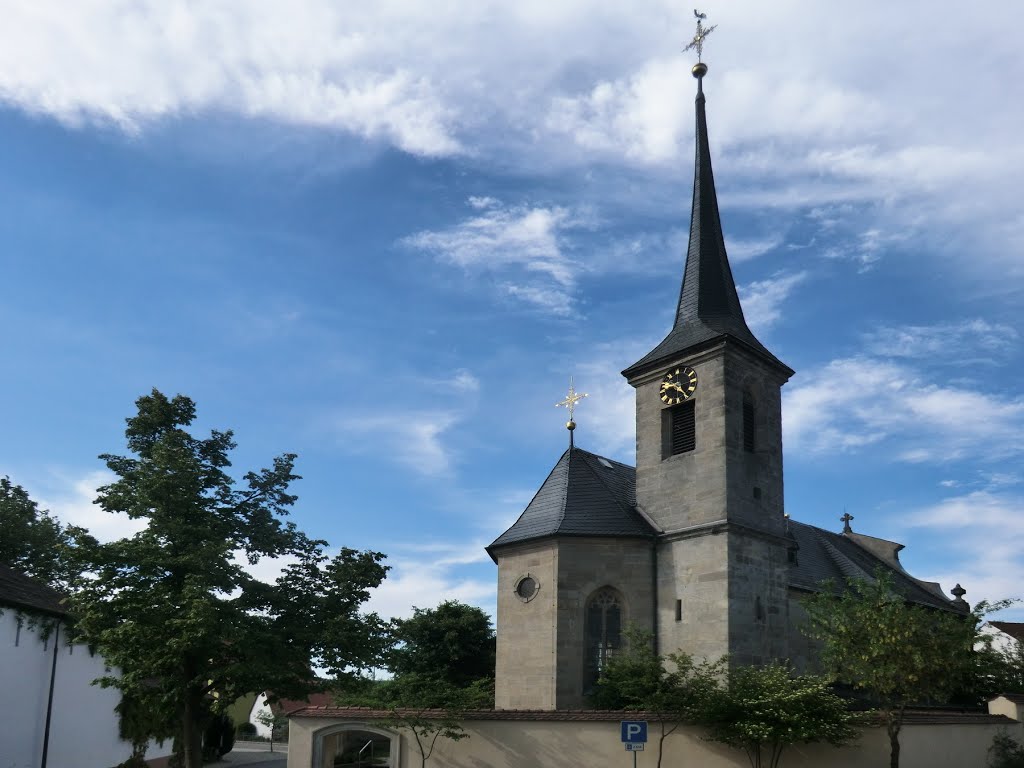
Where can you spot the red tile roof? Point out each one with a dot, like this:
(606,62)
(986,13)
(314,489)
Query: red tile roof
(914,717)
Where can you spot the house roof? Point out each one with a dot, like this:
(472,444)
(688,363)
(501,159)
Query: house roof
(584,495)
(20,591)
(709,308)
(286,706)
(589,495)
(1014,629)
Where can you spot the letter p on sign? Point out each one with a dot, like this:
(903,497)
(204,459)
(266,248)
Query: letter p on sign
(634,731)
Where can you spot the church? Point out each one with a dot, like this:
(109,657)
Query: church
(693,544)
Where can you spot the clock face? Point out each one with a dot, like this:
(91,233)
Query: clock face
(678,385)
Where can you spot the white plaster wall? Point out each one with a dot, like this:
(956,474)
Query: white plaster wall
(565,744)
(258,706)
(84,725)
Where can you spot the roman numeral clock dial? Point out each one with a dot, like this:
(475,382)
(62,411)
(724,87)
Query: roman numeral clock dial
(678,385)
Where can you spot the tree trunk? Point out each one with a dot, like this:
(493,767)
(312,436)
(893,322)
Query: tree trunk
(893,721)
(191,733)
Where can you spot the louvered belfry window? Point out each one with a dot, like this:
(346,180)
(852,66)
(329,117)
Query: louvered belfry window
(749,433)
(684,428)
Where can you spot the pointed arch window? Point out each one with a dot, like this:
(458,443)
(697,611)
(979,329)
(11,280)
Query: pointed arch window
(604,632)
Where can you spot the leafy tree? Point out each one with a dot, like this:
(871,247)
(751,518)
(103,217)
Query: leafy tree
(430,708)
(442,660)
(173,607)
(763,710)
(34,542)
(670,690)
(996,667)
(897,653)
(453,642)
(275,721)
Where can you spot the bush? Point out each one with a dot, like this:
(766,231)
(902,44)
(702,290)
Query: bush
(246,730)
(1005,752)
(219,738)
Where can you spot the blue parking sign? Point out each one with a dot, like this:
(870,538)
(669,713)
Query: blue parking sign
(634,731)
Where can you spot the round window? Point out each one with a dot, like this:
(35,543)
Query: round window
(526,588)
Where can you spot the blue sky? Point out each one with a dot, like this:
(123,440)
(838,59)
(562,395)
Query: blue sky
(384,237)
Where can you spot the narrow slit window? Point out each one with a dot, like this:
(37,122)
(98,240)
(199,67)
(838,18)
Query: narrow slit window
(679,610)
(749,425)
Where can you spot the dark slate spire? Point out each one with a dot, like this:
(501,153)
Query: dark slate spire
(709,307)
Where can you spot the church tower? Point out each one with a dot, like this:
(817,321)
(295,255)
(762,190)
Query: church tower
(709,455)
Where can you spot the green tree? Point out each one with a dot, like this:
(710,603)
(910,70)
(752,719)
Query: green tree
(671,690)
(34,542)
(275,722)
(174,608)
(453,642)
(897,653)
(430,708)
(763,710)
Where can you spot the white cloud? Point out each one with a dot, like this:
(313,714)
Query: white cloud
(989,531)
(858,401)
(745,250)
(971,341)
(548,87)
(414,439)
(70,498)
(423,576)
(527,242)
(762,300)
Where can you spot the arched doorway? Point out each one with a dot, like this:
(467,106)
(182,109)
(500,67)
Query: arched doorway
(355,745)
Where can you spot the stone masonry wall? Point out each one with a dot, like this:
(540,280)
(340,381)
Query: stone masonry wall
(527,631)
(585,565)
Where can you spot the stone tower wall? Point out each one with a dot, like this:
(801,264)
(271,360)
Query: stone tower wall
(527,631)
(585,565)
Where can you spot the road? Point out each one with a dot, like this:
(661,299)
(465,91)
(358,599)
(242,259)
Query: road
(254,753)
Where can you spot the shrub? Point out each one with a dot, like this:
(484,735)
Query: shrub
(1005,752)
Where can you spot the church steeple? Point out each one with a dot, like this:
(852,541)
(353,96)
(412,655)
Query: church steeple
(709,307)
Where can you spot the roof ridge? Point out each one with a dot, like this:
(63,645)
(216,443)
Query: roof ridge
(568,482)
(848,567)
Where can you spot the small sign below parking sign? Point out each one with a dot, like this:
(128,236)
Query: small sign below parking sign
(631,747)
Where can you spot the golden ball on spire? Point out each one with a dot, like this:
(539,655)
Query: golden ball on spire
(699,69)
(570,425)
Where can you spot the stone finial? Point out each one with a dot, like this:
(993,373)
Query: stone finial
(846,518)
(958,593)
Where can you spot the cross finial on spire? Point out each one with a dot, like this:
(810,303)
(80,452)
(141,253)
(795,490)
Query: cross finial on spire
(698,40)
(846,518)
(570,402)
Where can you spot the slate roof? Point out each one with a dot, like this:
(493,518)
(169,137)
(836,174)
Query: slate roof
(825,555)
(585,495)
(20,591)
(589,495)
(709,308)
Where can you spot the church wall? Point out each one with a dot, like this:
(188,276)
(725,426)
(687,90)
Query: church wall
(694,571)
(585,565)
(526,631)
(689,488)
(754,478)
(758,600)
(596,744)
